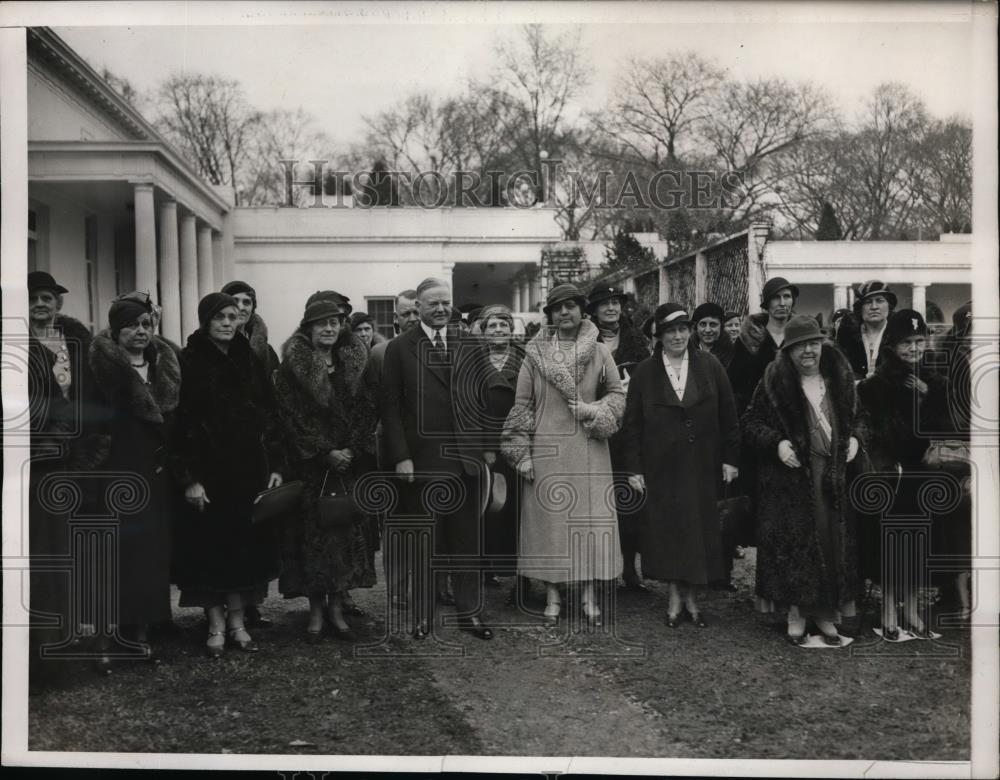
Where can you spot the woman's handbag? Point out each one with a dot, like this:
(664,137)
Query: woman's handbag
(948,455)
(336,503)
(276,502)
(735,519)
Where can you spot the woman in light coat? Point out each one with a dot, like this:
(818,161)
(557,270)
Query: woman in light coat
(568,403)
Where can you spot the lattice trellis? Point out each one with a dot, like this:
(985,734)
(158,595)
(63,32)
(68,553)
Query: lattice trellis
(647,289)
(726,275)
(682,283)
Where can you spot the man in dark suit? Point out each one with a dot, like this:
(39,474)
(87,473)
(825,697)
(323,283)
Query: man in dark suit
(426,400)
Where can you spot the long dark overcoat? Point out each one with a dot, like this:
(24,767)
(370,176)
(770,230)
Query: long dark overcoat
(790,566)
(323,413)
(900,426)
(229,440)
(679,447)
(138,420)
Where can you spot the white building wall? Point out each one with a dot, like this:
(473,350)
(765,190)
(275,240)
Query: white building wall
(58,114)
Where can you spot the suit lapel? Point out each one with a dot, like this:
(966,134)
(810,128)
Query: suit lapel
(436,363)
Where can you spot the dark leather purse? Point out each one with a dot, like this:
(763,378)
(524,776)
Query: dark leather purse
(336,503)
(735,520)
(276,502)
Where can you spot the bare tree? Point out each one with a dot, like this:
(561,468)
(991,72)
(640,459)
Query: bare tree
(209,120)
(279,135)
(750,123)
(540,75)
(943,178)
(658,105)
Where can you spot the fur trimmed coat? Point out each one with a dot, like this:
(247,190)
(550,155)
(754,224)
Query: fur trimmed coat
(256,332)
(679,446)
(791,565)
(323,412)
(572,495)
(229,438)
(137,421)
(752,353)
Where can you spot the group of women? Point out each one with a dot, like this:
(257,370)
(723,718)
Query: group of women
(617,451)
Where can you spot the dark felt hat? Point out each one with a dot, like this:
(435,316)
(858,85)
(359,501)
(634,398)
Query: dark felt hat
(800,328)
(236,286)
(871,288)
(212,304)
(775,285)
(668,314)
(126,310)
(604,292)
(564,292)
(332,295)
(709,310)
(361,316)
(321,309)
(40,280)
(903,323)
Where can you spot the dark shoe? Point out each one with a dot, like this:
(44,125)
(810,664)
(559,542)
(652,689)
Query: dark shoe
(799,639)
(635,586)
(446,599)
(347,634)
(673,621)
(215,651)
(476,627)
(890,634)
(246,645)
(422,631)
(314,637)
(699,620)
(919,633)
(354,611)
(255,620)
(833,641)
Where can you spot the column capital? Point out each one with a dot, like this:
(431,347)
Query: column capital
(143,186)
(919,285)
(447,267)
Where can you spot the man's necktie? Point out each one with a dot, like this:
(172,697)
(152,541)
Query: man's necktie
(438,342)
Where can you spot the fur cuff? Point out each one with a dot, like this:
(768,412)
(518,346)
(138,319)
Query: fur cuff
(608,419)
(517,432)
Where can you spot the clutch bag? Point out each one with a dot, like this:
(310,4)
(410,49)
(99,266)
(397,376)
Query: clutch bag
(276,502)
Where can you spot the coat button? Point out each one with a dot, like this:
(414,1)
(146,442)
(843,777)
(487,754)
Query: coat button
(691,439)
(688,423)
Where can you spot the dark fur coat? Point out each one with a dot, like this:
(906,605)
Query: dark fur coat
(790,565)
(137,422)
(723,348)
(256,332)
(323,412)
(752,353)
(229,438)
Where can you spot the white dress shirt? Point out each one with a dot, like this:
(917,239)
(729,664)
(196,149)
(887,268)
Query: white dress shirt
(678,379)
(431,331)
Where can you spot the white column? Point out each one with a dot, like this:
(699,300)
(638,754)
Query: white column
(515,298)
(170,273)
(663,294)
(218,259)
(840,296)
(535,289)
(448,274)
(145,239)
(206,277)
(526,294)
(920,299)
(189,275)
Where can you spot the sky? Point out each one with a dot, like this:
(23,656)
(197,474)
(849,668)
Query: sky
(340,72)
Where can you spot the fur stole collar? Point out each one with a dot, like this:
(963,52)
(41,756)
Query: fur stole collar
(73,329)
(894,371)
(122,386)
(632,346)
(307,367)
(544,352)
(753,331)
(784,390)
(256,332)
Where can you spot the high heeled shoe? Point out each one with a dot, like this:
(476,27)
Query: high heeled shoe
(698,619)
(593,614)
(215,651)
(246,645)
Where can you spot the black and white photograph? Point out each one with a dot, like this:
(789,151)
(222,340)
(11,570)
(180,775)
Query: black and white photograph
(601,388)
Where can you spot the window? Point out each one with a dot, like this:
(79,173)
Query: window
(382,310)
